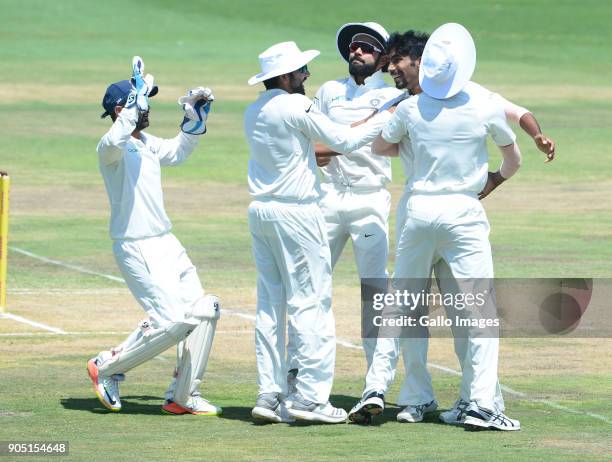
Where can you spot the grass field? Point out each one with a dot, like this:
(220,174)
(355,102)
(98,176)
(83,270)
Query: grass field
(551,220)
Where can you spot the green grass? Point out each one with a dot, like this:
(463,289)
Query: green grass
(550,220)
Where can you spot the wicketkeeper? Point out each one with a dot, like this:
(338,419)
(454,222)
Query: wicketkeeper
(153,262)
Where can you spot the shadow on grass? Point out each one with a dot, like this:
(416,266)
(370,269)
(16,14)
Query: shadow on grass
(129,405)
(345,402)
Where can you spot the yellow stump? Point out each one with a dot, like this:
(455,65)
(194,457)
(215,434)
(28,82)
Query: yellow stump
(4,205)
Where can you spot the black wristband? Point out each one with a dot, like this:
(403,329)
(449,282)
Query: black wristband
(497,178)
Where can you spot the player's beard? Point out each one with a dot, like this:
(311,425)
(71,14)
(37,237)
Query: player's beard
(143,121)
(296,85)
(358,68)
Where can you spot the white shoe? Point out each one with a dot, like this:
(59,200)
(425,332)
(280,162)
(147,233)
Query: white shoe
(368,407)
(195,405)
(106,388)
(455,415)
(413,414)
(302,409)
(271,408)
(478,418)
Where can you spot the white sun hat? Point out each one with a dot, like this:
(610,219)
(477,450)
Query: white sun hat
(448,61)
(280,59)
(345,35)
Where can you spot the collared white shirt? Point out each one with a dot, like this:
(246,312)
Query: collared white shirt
(448,139)
(346,102)
(131,169)
(280,128)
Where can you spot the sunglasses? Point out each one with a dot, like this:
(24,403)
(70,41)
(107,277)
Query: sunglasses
(303,69)
(365,47)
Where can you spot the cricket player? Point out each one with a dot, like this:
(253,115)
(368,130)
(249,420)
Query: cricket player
(290,243)
(152,261)
(355,202)
(405,51)
(445,226)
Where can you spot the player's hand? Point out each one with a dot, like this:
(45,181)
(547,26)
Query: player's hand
(546,145)
(322,161)
(493,181)
(196,104)
(142,85)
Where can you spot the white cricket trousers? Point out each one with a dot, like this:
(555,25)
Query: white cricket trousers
(448,233)
(293,284)
(361,214)
(161,277)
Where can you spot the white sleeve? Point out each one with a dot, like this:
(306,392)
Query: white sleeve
(341,138)
(175,150)
(396,129)
(513,111)
(498,127)
(511,160)
(111,145)
(318,100)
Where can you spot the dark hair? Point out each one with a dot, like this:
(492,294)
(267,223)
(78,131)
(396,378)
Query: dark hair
(410,43)
(272,82)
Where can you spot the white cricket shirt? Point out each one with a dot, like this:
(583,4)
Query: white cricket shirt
(280,128)
(346,102)
(131,169)
(448,139)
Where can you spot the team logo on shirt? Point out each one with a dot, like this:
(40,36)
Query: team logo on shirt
(375,102)
(336,99)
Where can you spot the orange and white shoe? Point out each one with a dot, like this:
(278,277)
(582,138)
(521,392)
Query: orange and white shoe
(195,405)
(106,388)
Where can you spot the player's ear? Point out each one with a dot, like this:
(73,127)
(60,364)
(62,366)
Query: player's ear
(118,109)
(383,63)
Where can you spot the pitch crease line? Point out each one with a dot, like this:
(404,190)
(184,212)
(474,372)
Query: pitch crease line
(40,325)
(80,269)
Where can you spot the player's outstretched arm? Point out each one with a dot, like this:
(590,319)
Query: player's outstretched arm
(530,125)
(304,116)
(111,146)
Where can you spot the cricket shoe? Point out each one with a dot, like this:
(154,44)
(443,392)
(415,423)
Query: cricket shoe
(455,415)
(478,418)
(301,409)
(195,405)
(270,408)
(413,414)
(106,388)
(363,412)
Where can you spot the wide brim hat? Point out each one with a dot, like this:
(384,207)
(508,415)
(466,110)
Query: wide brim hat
(280,59)
(448,61)
(345,35)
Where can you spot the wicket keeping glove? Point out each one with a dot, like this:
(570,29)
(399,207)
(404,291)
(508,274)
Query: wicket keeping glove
(196,105)
(142,85)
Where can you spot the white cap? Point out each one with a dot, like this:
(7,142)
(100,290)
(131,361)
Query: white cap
(280,59)
(448,61)
(345,35)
